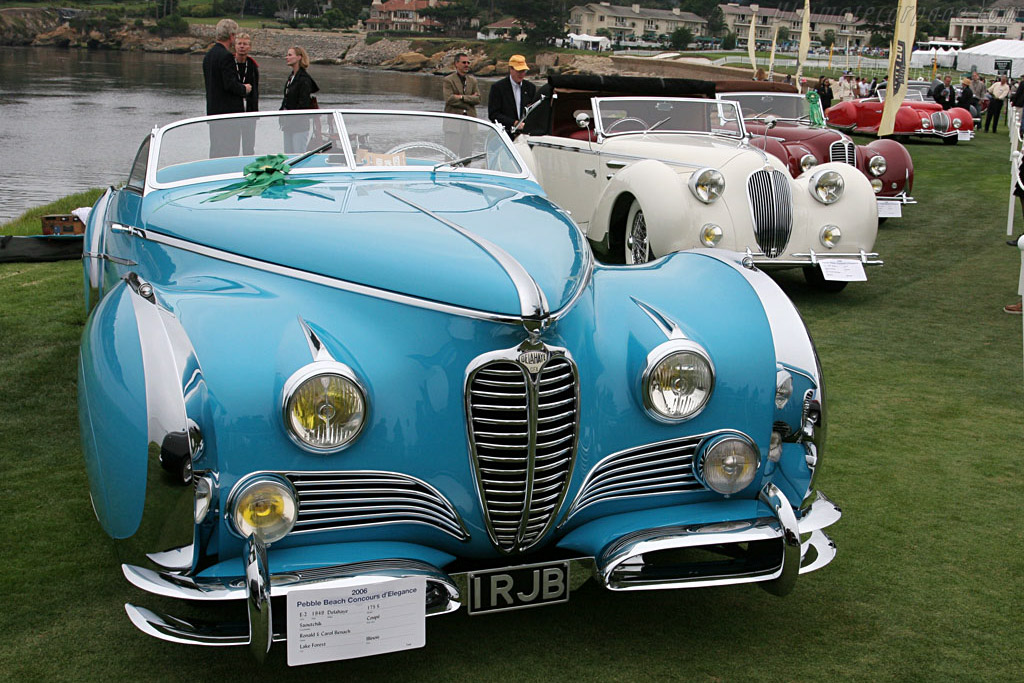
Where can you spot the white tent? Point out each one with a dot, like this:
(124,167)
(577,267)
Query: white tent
(983,57)
(922,59)
(584,42)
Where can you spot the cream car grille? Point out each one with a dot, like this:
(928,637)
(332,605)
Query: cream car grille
(329,501)
(940,121)
(771,202)
(843,152)
(649,470)
(523,429)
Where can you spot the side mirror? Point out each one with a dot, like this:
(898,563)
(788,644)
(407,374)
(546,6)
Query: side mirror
(583,119)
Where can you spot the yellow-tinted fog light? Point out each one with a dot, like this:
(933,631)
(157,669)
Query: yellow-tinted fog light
(830,236)
(710,234)
(876,185)
(265,507)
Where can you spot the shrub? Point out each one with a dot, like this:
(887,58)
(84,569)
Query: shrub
(171,25)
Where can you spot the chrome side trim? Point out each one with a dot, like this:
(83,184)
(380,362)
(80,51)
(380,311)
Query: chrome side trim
(669,327)
(532,303)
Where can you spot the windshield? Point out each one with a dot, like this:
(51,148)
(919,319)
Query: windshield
(916,92)
(786,107)
(360,140)
(631,115)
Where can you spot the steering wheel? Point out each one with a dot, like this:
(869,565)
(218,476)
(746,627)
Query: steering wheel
(632,119)
(423,144)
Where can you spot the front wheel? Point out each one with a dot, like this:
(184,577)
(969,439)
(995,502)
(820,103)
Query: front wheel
(813,276)
(637,247)
(951,140)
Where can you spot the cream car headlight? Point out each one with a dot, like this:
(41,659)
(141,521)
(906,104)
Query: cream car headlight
(678,381)
(324,407)
(877,165)
(265,506)
(957,123)
(827,186)
(710,234)
(808,161)
(830,236)
(728,463)
(707,184)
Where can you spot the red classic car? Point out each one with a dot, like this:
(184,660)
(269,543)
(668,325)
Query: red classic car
(916,116)
(783,124)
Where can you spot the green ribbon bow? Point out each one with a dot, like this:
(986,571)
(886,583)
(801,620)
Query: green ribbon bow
(814,106)
(267,176)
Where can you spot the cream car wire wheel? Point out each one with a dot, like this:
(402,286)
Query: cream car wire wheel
(638,248)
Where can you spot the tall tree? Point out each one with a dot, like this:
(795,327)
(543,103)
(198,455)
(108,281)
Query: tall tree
(455,15)
(545,18)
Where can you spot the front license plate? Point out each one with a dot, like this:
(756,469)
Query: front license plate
(844,270)
(518,587)
(963,135)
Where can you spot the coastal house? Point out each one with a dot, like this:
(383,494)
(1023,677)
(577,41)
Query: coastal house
(999,19)
(508,28)
(402,15)
(848,29)
(632,23)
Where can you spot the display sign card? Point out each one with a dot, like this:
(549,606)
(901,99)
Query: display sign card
(963,135)
(890,209)
(843,269)
(325,624)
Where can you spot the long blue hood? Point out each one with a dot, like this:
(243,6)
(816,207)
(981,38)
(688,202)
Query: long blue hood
(370,232)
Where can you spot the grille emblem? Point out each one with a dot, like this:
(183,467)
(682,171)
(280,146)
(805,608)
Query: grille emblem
(533,359)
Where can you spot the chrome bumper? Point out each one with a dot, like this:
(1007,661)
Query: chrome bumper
(631,563)
(901,198)
(811,258)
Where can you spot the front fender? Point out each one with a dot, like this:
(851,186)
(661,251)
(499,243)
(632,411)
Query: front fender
(899,166)
(142,399)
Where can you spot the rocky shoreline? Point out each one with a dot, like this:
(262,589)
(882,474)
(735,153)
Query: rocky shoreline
(37,27)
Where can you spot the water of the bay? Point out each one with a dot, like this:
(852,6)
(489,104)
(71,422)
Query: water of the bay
(71,120)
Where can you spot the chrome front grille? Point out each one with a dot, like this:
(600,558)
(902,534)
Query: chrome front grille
(771,203)
(843,152)
(329,501)
(940,121)
(653,469)
(522,428)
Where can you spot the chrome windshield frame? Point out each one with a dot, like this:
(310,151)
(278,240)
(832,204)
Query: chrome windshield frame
(350,164)
(596,103)
(728,97)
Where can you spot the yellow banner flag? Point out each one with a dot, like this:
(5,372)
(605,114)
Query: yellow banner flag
(752,41)
(805,42)
(899,64)
(771,57)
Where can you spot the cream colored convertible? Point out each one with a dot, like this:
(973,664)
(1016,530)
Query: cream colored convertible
(646,176)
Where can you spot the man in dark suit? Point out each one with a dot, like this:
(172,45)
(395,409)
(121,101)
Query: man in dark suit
(224,91)
(510,96)
(944,93)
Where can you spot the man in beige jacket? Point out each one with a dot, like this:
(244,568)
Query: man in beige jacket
(461,95)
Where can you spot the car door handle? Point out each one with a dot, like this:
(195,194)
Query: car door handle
(591,172)
(615,164)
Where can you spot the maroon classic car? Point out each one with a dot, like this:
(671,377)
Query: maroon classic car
(916,116)
(783,124)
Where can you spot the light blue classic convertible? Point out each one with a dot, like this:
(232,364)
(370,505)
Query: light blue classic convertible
(383,378)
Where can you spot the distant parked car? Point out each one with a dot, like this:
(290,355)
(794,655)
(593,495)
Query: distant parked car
(781,123)
(383,379)
(916,116)
(650,173)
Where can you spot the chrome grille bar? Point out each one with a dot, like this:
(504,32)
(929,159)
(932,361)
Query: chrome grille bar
(843,152)
(522,455)
(771,205)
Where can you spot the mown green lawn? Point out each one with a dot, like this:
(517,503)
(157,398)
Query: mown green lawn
(925,454)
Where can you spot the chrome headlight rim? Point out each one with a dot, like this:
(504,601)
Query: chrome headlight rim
(878,165)
(711,234)
(926,123)
(697,179)
(957,123)
(705,448)
(807,162)
(304,374)
(818,178)
(246,484)
(659,355)
(830,236)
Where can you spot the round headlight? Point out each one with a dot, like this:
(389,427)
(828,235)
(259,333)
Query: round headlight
(877,165)
(830,236)
(808,161)
(925,123)
(707,185)
(324,407)
(827,186)
(265,506)
(678,383)
(957,123)
(876,185)
(728,464)
(710,234)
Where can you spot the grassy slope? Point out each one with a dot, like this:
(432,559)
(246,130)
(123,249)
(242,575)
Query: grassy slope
(925,380)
